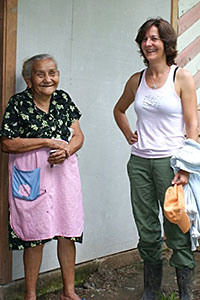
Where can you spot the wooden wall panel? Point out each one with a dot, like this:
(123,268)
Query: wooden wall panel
(189,18)
(188,53)
(189,40)
(8,29)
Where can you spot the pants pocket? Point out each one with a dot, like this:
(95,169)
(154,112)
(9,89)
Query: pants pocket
(26,184)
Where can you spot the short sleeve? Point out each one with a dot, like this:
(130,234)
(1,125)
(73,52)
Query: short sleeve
(10,126)
(72,110)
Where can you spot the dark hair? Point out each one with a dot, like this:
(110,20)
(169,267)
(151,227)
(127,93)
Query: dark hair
(28,64)
(167,35)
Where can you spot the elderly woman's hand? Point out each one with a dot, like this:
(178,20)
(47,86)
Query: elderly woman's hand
(57,156)
(60,151)
(60,145)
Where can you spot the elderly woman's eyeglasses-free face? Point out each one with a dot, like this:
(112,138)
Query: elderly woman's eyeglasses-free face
(44,78)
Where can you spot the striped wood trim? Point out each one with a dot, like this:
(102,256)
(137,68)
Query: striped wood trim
(189,53)
(197,79)
(189,18)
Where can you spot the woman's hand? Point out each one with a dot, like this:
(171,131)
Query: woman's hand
(59,145)
(133,138)
(60,150)
(57,156)
(181,177)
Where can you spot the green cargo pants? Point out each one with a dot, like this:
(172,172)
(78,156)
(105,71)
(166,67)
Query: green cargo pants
(149,179)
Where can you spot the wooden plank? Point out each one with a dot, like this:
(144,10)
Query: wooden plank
(189,53)
(189,18)
(197,79)
(199,121)
(8,29)
(174,14)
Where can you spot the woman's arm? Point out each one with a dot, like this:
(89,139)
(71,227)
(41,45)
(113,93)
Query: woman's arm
(77,138)
(186,89)
(189,102)
(122,105)
(21,145)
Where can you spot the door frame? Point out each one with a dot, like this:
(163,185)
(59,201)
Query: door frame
(8,37)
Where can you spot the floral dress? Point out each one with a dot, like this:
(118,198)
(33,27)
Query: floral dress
(22,118)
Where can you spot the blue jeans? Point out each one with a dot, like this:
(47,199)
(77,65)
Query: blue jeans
(149,179)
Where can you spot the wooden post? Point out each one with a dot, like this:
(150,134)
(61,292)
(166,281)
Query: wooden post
(174,14)
(8,30)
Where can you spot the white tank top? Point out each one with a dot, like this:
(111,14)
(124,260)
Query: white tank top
(160,123)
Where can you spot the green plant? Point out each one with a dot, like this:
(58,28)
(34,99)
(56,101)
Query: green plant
(171,297)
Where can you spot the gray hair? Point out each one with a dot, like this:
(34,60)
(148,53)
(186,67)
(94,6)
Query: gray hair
(28,64)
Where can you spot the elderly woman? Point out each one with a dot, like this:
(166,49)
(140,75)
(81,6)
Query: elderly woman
(41,133)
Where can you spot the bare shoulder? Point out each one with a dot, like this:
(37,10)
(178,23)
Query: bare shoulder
(184,77)
(132,83)
(134,79)
(129,93)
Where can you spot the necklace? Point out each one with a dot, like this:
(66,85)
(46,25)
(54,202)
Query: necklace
(153,84)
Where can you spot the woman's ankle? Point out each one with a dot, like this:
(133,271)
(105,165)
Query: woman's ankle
(30,296)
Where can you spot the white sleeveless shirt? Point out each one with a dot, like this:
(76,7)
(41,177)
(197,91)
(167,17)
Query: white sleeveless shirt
(160,124)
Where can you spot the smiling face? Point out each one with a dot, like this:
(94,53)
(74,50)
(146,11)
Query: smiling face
(152,46)
(44,78)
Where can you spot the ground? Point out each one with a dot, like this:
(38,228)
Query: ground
(126,283)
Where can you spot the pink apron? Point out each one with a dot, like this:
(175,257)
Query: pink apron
(44,201)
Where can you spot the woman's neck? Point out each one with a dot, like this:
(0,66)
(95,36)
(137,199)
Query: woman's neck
(156,75)
(158,69)
(42,102)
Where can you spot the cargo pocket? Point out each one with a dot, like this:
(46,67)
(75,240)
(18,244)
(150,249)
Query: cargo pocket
(26,184)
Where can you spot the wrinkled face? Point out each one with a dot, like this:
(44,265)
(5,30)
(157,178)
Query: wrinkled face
(44,78)
(152,46)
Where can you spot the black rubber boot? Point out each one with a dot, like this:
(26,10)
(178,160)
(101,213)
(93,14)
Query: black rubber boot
(185,282)
(152,281)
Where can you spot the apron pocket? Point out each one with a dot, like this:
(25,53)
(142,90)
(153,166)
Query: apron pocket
(26,184)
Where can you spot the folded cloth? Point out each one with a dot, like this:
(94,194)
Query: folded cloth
(188,159)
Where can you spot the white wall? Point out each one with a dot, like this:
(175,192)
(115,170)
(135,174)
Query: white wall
(93,43)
